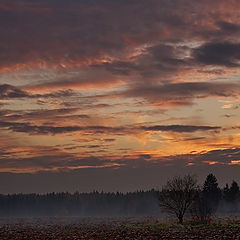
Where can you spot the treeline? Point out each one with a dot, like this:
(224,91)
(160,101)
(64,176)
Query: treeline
(208,199)
(79,204)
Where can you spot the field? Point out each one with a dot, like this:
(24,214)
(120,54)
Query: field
(115,228)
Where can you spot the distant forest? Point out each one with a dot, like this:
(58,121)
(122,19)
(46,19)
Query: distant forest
(139,203)
(79,204)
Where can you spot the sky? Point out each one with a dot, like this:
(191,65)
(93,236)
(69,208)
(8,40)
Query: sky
(117,95)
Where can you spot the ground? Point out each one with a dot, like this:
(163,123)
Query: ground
(115,228)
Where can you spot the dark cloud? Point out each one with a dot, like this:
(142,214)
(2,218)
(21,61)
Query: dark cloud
(54,94)
(183,93)
(218,53)
(42,113)
(21,121)
(44,129)
(231,128)
(155,63)
(31,129)
(167,56)
(119,67)
(181,128)
(220,156)
(229,115)
(109,139)
(12,92)
(87,162)
(8,91)
(105,43)
(228,27)
(70,30)
(49,162)
(194,138)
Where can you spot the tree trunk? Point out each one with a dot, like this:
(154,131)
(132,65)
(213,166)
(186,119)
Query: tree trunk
(180,219)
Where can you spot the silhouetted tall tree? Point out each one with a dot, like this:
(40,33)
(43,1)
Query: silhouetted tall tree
(211,194)
(231,195)
(234,191)
(226,193)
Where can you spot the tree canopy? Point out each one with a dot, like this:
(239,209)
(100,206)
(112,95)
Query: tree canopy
(178,194)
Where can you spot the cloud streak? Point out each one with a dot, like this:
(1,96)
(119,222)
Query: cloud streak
(183,93)
(11,92)
(181,128)
(44,129)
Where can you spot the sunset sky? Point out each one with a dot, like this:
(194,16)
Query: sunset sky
(117,94)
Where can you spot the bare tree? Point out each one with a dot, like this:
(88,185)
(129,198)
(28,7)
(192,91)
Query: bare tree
(177,195)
